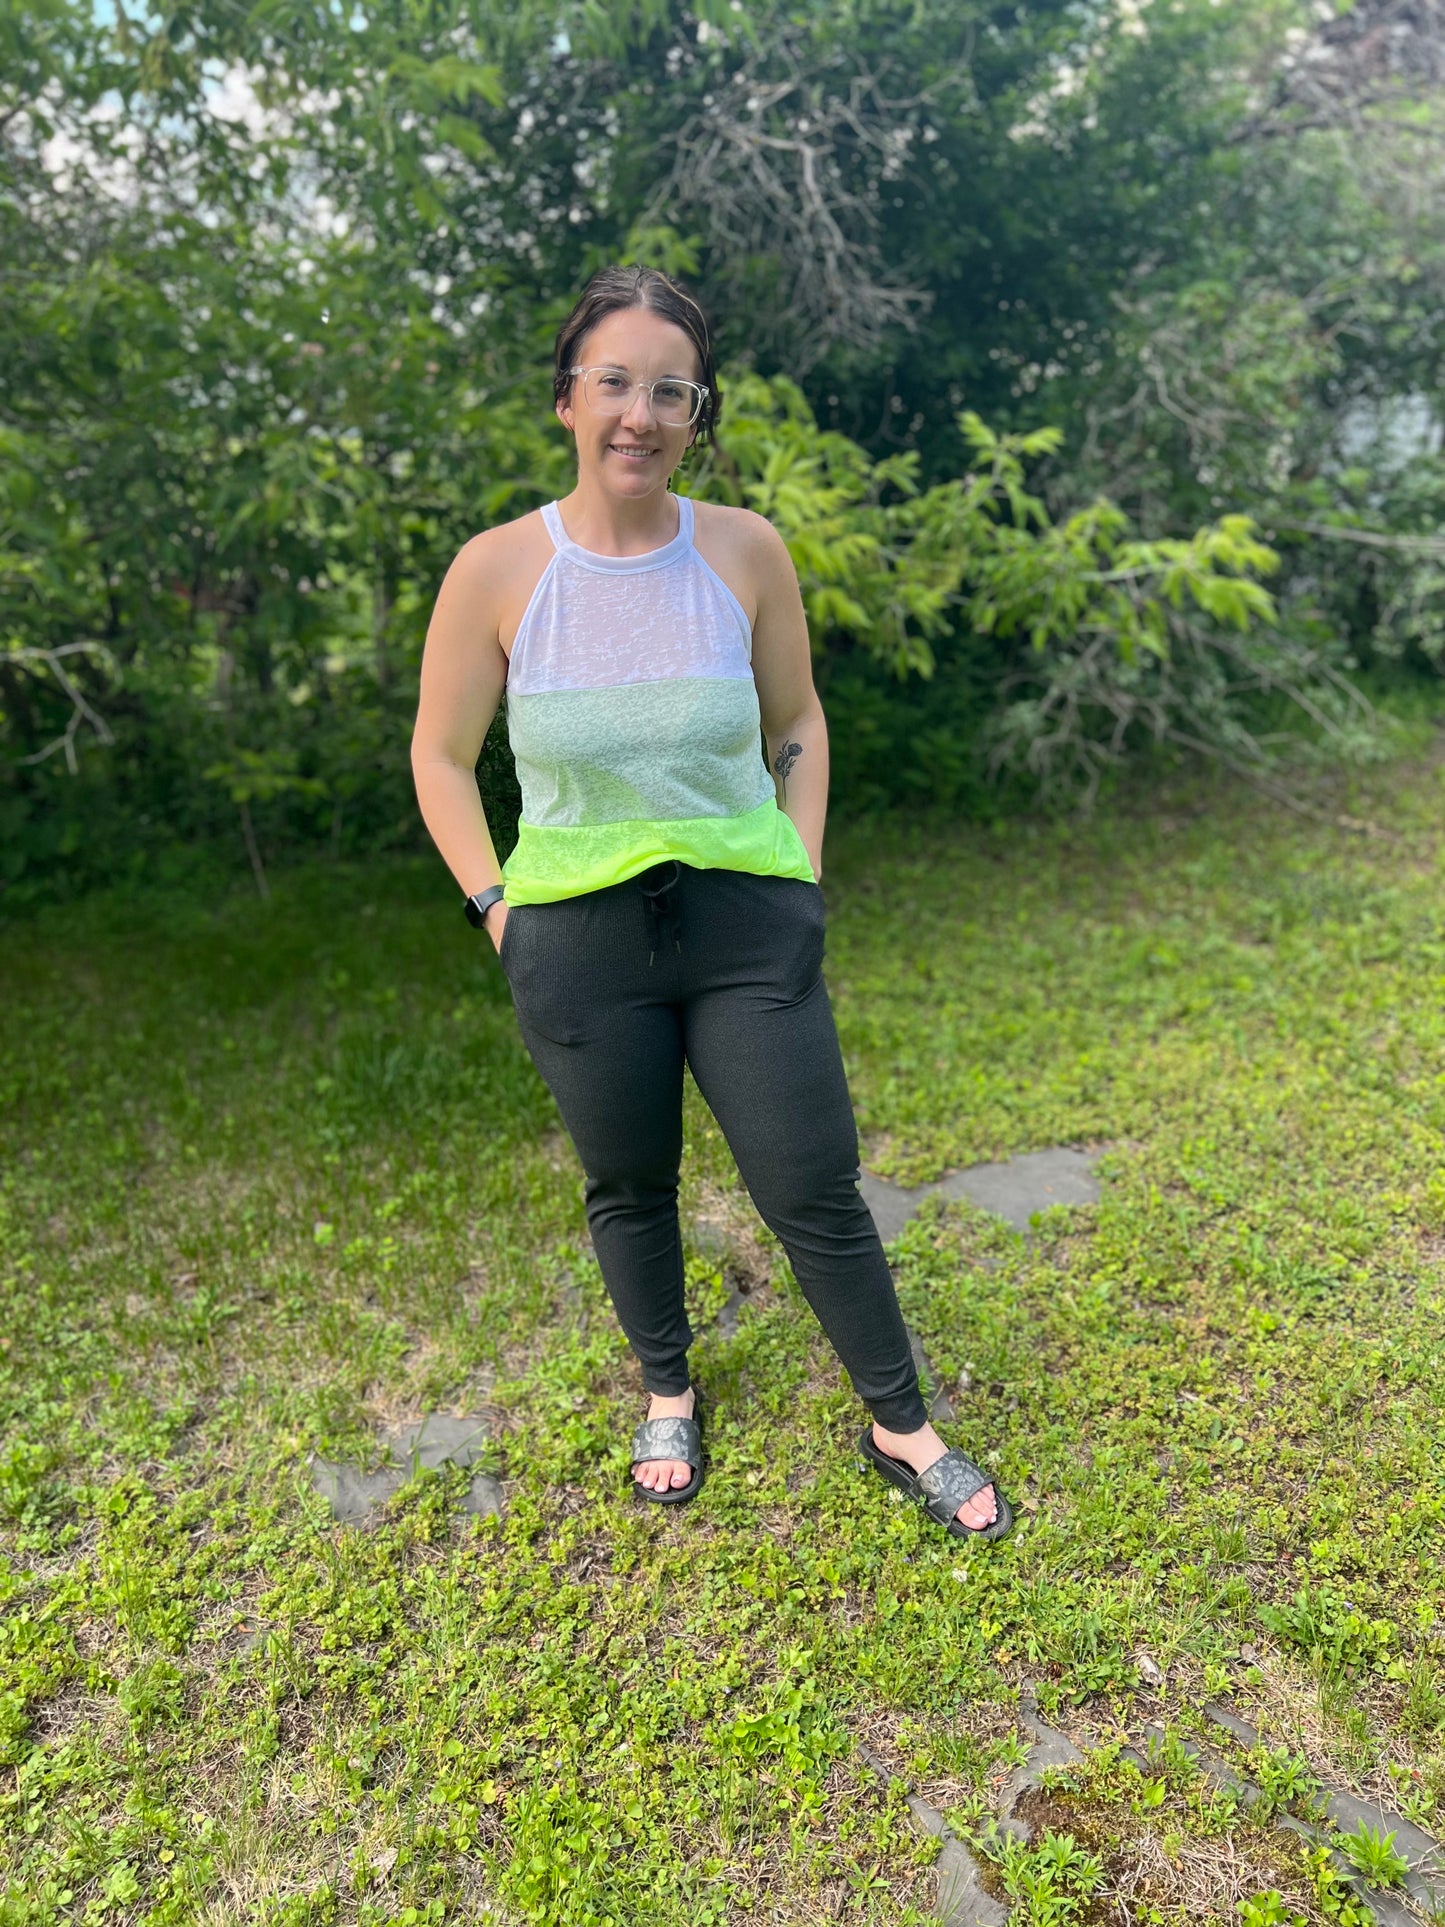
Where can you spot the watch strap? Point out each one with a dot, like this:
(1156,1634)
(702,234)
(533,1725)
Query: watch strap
(481,903)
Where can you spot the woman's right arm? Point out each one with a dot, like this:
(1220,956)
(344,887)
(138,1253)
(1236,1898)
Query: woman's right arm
(463,674)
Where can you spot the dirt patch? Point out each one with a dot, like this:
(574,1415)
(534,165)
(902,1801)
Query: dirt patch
(1159,1869)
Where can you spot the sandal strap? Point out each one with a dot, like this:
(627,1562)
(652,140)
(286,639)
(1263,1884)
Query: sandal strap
(951,1482)
(668,1438)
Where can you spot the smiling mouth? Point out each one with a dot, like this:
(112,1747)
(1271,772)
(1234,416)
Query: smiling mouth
(632,453)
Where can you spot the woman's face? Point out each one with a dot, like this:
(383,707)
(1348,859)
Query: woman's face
(632,453)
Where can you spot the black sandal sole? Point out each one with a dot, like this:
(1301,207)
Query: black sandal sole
(898,1473)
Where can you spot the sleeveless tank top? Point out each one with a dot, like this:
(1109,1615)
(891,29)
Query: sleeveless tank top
(633,720)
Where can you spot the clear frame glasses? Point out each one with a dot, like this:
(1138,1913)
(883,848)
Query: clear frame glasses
(612,391)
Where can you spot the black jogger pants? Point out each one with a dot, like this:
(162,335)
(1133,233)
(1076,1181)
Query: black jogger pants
(613,990)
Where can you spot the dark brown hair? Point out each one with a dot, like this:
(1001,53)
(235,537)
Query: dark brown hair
(617,287)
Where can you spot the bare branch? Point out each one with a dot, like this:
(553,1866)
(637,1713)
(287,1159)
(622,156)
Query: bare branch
(1370,538)
(1377,54)
(39,661)
(788,167)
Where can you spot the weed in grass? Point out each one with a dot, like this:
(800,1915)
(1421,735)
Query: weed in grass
(1424,1707)
(1267,1909)
(1334,1897)
(1412,1796)
(1340,1706)
(1049,1881)
(1371,1852)
(1285,1782)
(1331,1629)
(1169,1757)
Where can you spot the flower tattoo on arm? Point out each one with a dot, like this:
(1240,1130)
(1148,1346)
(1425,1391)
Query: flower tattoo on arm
(784,761)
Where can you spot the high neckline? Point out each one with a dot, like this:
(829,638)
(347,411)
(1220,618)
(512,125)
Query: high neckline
(621,564)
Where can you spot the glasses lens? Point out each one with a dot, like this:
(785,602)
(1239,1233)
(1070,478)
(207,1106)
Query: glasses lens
(676,402)
(608,392)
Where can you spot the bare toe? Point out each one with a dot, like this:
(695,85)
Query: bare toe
(657,1475)
(981,1510)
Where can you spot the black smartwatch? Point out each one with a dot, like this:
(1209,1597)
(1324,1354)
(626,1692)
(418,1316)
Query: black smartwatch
(481,903)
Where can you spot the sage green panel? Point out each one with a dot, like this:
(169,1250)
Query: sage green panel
(683,747)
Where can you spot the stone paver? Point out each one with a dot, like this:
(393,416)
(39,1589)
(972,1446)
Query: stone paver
(963,1902)
(483,1496)
(1024,1185)
(436,1440)
(1048,1749)
(354,1495)
(1232,1724)
(1014,1190)
(960,1900)
(727,1318)
(712,1238)
(1425,1882)
(940,1405)
(1223,1778)
(892,1204)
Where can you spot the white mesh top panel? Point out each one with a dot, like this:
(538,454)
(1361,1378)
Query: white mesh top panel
(596,622)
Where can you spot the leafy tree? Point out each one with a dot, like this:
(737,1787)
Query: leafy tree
(277,290)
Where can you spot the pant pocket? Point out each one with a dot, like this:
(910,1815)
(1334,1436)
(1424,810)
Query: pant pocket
(806,918)
(551,969)
(509,929)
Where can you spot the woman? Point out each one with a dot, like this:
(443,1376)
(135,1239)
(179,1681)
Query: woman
(662,902)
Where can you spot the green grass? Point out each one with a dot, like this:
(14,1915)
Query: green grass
(278,1176)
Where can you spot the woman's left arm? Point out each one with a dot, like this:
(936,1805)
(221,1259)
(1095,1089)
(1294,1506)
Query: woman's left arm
(794,727)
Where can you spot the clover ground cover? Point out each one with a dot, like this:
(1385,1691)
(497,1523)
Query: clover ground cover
(277,1177)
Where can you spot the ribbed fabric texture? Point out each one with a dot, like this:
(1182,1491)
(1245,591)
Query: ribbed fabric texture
(633,721)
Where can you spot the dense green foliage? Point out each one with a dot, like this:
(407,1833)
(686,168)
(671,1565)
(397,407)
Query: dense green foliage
(277,289)
(276,1176)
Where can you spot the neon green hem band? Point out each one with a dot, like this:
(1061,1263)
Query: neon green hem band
(550,863)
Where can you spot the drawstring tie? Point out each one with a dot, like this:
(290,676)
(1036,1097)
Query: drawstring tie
(661,901)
